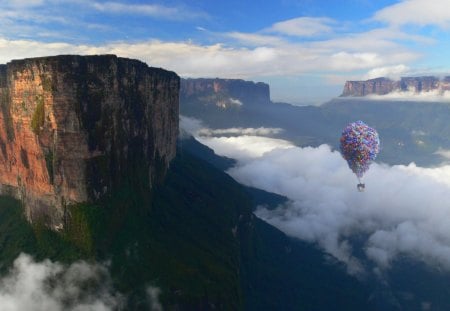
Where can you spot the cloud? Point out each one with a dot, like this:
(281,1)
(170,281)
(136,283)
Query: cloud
(87,21)
(193,60)
(50,286)
(417,12)
(444,153)
(303,26)
(353,61)
(245,146)
(153,298)
(403,211)
(239,131)
(255,39)
(22,4)
(190,126)
(430,96)
(255,140)
(151,10)
(392,72)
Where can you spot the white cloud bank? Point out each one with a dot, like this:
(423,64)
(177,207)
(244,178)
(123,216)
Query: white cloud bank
(430,96)
(417,12)
(404,210)
(195,60)
(50,286)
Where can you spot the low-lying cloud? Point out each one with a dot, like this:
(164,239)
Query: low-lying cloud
(243,147)
(254,141)
(51,286)
(430,96)
(259,131)
(403,212)
(195,127)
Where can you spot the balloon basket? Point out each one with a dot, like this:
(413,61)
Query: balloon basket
(361,187)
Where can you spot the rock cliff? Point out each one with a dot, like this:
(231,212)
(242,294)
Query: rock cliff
(224,93)
(379,86)
(75,128)
(382,86)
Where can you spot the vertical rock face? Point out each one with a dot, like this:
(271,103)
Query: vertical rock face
(73,129)
(382,86)
(419,84)
(225,93)
(379,86)
(445,84)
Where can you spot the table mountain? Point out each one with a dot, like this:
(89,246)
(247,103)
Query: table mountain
(73,128)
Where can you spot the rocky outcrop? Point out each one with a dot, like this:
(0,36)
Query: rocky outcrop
(382,86)
(419,84)
(75,128)
(379,86)
(224,93)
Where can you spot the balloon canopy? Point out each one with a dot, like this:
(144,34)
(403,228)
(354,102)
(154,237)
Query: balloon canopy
(360,145)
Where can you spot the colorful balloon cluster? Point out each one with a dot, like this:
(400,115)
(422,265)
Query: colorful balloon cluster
(360,145)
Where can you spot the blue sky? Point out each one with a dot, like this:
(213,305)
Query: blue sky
(305,49)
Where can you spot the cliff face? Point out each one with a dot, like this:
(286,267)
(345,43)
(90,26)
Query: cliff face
(382,86)
(379,86)
(419,84)
(73,129)
(224,93)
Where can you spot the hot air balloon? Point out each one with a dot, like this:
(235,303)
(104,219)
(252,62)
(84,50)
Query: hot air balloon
(360,145)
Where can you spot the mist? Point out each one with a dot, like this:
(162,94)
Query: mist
(403,212)
(51,286)
(430,96)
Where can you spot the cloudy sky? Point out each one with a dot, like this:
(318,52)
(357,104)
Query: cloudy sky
(305,49)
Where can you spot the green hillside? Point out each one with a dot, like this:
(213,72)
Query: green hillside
(196,239)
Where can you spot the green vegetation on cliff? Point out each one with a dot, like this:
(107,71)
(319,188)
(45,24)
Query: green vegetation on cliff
(5,104)
(38,118)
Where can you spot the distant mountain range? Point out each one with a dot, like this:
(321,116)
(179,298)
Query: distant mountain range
(383,86)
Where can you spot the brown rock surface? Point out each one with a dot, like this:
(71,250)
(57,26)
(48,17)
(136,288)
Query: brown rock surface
(379,86)
(419,84)
(224,93)
(382,86)
(74,128)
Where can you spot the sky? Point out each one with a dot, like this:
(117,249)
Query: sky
(305,49)
(403,212)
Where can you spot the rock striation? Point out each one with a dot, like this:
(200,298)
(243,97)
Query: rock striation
(379,86)
(75,128)
(224,93)
(382,86)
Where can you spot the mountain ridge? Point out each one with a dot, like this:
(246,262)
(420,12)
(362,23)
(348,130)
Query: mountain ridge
(383,86)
